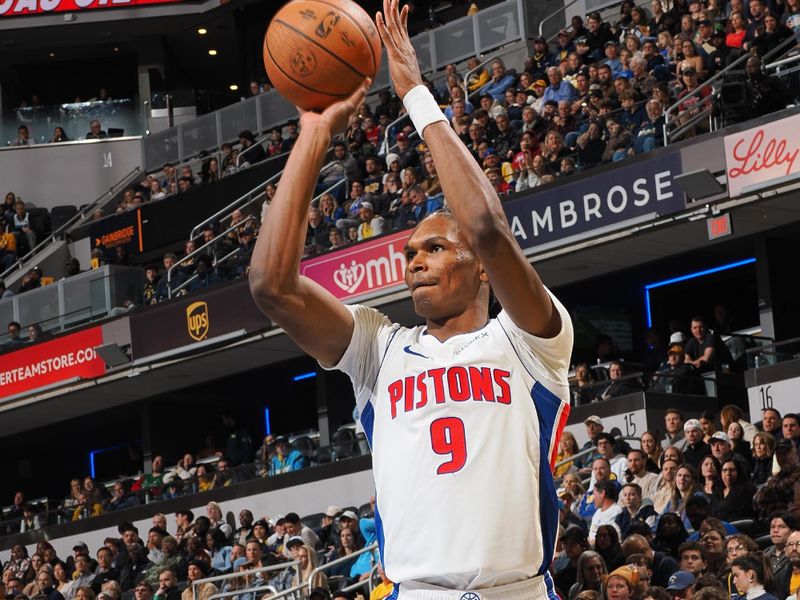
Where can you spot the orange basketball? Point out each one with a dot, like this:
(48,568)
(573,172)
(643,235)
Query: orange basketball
(317,52)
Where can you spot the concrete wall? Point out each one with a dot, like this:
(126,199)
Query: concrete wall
(76,173)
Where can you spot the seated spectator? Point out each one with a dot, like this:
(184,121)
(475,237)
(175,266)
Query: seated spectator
(121,497)
(286,458)
(690,558)
(605,497)
(676,376)
(20,225)
(649,135)
(631,498)
(478,76)
(370,224)
(592,571)
(763,452)
(96,131)
(196,570)
(251,152)
(23,137)
(307,557)
(663,565)
(206,274)
(617,387)
(735,500)
(167,586)
(500,81)
(750,574)
(170,280)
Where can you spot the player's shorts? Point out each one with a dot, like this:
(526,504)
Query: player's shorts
(530,589)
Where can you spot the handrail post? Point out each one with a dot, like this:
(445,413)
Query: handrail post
(372,547)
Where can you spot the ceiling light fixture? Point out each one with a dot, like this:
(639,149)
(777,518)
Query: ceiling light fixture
(212,52)
(52,54)
(233,87)
(202,31)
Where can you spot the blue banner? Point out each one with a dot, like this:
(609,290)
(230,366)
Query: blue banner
(597,202)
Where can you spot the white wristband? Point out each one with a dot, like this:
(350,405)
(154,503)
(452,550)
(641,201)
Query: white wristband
(422,108)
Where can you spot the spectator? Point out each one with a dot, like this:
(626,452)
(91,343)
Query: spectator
(749,571)
(251,152)
(370,224)
(592,571)
(286,458)
(559,89)
(21,225)
(781,525)
(622,583)
(633,511)
(605,500)
(663,565)
(574,543)
(695,449)
(96,131)
(788,581)
(307,557)
(59,136)
(83,577)
(691,558)
(710,476)
(637,473)
(736,494)
(790,428)
(722,451)
(499,82)
(771,423)
(738,444)
(619,386)
(652,451)
(206,275)
(167,586)
(196,570)
(763,452)
(23,137)
(673,424)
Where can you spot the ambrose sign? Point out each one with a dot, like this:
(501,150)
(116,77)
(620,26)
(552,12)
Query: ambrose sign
(12,8)
(763,155)
(598,202)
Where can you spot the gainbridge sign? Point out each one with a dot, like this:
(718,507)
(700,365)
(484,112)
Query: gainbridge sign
(53,361)
(124,230)
(19,8)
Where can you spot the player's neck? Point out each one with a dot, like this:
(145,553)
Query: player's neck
(467,322)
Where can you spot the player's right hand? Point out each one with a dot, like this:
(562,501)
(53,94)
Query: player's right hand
(403,64)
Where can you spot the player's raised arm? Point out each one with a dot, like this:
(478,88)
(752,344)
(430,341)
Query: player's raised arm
(313,318)
(470,196)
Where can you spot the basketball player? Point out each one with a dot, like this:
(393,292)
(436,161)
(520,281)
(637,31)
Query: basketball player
(463,414)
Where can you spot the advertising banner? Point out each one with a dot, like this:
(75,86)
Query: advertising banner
(598,202)
(124,230)
(200,317)
(50,362)
(15,8)
(374,266)
(762,155)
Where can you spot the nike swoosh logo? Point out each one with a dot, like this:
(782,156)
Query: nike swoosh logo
(408,350)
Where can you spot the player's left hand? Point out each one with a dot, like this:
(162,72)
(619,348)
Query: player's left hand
(403,65)
(338,115)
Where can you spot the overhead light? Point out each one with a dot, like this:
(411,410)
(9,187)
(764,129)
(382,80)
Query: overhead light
(202,31)
(116,49)
(212,52)
(52,54)
(233,87)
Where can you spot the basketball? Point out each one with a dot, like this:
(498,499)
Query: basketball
(317,52)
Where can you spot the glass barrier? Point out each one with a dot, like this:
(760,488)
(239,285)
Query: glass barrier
(67,303)
(765,353)
(119,117)
(490,28)
(127,492)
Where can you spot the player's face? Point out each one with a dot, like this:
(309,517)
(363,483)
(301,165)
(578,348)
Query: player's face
(443,273)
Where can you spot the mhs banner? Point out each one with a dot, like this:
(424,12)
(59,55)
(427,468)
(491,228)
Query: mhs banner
(51,362)
(17,8)
(362,271)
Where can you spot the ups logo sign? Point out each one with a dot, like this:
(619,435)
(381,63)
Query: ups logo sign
(197,320)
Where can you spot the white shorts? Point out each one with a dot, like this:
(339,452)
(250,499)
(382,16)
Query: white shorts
(530,589)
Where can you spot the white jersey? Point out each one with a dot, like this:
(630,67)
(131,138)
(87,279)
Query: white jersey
(463,435)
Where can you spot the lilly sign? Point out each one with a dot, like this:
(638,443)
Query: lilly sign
(362,271)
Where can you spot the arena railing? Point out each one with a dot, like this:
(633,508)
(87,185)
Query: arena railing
(671,136)
(769,354)
(198,252)
(493,27)
(248,573)
(321,568)
(81,214)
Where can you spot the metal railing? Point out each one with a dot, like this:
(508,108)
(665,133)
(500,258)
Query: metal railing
(53,236)
(199,251)
(264,588)
(386,147)
(467,93)
(670,136)
(343,559)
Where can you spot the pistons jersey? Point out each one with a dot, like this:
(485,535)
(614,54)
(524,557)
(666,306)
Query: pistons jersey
(463,436)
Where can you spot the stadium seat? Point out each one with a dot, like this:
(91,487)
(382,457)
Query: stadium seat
(306,447)
(344,444)
(365,511)
(312,521)
(40,222)
(764,541)
(59,215)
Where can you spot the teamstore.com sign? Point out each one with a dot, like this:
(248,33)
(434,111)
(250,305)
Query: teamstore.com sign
(47,366)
